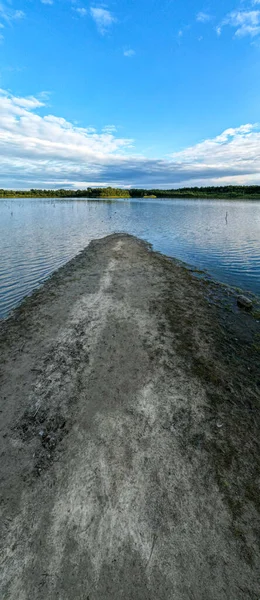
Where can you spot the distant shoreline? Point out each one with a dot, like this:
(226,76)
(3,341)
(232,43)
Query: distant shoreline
(131,198)
(202,193)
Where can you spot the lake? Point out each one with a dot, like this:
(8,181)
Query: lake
(37,236)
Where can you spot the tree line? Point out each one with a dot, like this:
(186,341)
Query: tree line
(230,191)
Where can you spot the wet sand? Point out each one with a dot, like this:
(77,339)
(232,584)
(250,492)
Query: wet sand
(130,459)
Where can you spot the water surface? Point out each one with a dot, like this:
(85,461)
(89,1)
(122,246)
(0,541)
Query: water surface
(39,235)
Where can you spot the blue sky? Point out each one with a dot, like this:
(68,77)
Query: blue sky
(150,93)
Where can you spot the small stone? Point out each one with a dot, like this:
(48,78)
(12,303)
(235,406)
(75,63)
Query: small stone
(50,441)
(244,302)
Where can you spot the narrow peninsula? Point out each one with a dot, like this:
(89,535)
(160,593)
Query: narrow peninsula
(130,459)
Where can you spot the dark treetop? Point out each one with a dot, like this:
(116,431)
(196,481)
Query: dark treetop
(251,192)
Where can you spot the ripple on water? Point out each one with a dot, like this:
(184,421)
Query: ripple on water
(36,239)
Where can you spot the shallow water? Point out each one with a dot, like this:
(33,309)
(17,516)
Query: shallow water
(39,235)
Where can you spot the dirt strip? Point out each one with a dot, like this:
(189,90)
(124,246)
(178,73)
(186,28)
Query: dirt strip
(130,458)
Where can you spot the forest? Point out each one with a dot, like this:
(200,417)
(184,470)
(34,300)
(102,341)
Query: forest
(251,192)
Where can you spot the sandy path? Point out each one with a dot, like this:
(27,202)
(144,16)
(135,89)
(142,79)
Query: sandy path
(129,447)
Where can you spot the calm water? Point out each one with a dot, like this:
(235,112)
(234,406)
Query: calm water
(38,236)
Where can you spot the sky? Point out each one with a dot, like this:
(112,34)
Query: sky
(147,93)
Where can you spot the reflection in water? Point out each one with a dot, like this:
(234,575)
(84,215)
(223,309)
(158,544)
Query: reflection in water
(38,236)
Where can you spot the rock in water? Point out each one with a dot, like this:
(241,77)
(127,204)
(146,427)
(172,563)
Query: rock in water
(244,302)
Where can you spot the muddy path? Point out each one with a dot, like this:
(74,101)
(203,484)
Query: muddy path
(130,462)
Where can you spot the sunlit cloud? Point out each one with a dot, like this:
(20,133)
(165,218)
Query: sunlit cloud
(47,2)
(103,18)
(39,150)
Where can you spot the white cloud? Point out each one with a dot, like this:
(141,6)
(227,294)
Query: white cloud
(30,102)
(109,129)
(228,145)
(244,22)
(49,146)
(48,151)
(129,53)
(81,11)
(103,18)
(8,14)
(18,14)
(13,69)
(47,2)
(203,17)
